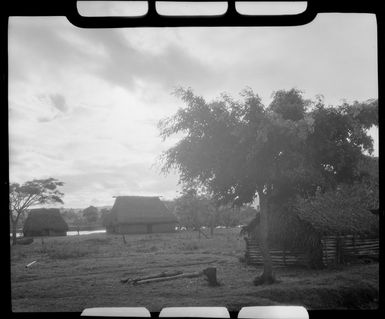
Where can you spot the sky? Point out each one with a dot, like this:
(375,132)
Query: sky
(84,104)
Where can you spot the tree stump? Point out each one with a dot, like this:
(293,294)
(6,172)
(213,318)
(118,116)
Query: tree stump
(211,276)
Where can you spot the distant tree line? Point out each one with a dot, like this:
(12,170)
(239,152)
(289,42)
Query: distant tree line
(195,210)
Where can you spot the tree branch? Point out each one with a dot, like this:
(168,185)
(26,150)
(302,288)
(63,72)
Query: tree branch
(30,200)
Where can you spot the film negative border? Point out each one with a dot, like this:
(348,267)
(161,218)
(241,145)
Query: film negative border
(153,19)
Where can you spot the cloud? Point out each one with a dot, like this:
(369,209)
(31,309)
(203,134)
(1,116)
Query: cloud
(52,43)
(44,119)
(59,102)
(126,65)
(37,43)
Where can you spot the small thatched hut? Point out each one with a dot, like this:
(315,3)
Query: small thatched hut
(44,222)
(139,215)
(318,233)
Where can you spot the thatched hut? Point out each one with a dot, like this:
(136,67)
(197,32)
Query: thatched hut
(317,233)
(139,215)
(44,222)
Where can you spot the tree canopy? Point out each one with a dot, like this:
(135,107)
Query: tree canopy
(239,148)
(90,214)
(31,193)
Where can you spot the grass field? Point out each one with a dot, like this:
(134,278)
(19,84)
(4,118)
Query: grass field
(76,272)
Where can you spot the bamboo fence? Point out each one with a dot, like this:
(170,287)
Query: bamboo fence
(338,249)
(335,249)
(280,258)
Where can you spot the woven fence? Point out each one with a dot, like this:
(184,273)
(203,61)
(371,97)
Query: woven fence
(340,249)
(335,250)
(280,258)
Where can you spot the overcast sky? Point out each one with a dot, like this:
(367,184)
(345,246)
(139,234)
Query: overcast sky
(84,104)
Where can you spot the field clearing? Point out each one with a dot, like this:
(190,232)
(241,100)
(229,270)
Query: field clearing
(76,272)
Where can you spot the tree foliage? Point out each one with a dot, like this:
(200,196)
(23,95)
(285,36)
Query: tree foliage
(192,209)
(239,148)
(235,148)
(365,189)
(90,214)
(31,193)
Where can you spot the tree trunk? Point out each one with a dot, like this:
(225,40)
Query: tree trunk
(212,225)
(14,230)
(267,276)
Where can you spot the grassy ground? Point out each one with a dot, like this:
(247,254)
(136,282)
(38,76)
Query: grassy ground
(76,272)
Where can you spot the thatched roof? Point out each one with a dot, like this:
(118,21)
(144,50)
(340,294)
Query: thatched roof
(45,218)
(303,223)
(336,215)
(139,209)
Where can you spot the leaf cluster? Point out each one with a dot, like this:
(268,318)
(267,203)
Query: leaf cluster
(31,193)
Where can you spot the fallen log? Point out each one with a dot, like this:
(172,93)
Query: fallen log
(186,275)
(30,264)
(160,275)
(210,273)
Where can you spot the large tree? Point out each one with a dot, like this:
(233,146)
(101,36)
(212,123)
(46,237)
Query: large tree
(31,193)
(241,149)
(90,214)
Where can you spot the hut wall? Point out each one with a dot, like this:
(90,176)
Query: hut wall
(57,233)
(141,228)
(131,229)
(365,247)
(335,249)
(341,249)
(329,250)
(163,228)
(280,258)
(44,232)
(28,233)
(35,233)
